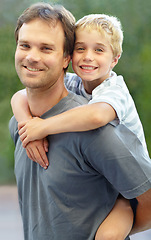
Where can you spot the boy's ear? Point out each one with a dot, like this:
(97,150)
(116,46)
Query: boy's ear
(115,61)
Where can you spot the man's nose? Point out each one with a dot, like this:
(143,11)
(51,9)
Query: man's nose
(33,55)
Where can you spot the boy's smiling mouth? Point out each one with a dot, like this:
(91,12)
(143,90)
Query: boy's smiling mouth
(87,67)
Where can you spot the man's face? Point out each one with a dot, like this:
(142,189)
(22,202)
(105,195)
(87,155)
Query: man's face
(39,58)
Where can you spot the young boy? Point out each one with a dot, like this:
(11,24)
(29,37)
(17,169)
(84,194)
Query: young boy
(98,46)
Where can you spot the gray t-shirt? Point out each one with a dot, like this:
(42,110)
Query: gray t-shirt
(86,173)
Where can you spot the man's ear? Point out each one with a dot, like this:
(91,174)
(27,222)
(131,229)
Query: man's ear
(115,61)
(66,61)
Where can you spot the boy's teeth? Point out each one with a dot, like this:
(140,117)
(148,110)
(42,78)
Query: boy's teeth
(89,68)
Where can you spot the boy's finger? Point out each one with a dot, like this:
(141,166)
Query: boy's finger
(43,156)
(30,155)
(34,154)
(45,159)
(25,141)
(21,124)
(46,144)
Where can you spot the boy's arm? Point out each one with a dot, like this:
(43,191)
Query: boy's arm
(118,223)
(20,106)
(36,150)
(83,118)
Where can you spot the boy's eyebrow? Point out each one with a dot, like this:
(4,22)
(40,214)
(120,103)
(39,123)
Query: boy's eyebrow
(101,45)
(79,43)
(97,44)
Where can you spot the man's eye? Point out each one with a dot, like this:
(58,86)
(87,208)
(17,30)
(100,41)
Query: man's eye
(46,49)
(24,46)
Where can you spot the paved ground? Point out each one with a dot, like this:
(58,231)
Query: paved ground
(10,219)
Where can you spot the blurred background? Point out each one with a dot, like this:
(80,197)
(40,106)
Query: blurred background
(134,65)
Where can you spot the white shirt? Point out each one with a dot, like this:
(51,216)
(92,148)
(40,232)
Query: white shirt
(114,92)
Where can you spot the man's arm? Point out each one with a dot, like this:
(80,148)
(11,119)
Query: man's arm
(143,213)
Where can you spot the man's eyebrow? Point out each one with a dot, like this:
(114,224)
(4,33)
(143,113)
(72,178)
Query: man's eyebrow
(48,44)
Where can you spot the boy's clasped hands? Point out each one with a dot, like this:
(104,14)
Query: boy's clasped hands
(33,139)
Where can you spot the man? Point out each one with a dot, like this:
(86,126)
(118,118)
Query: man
(87,170)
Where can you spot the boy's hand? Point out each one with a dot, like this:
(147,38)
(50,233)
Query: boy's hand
(36,151)
(31,130)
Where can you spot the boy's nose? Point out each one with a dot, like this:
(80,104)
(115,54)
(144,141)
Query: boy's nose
(88,56)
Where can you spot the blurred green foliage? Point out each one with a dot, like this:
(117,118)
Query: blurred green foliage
(134,64)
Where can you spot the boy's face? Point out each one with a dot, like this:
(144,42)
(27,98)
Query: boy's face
(92,57)
(39,57)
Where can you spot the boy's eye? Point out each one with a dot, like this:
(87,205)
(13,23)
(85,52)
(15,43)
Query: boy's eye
(99,50)
(79,49)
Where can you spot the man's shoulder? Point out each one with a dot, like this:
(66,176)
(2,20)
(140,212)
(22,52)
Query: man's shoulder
(77,99)
(70,101)
(13,128)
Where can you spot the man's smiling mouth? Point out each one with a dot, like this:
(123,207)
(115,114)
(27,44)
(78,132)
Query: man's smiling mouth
(33,69)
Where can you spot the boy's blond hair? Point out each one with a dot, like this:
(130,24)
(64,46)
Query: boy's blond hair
(107,25)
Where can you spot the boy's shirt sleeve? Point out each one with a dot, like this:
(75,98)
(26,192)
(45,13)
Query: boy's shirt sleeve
(74,84)
(114,92)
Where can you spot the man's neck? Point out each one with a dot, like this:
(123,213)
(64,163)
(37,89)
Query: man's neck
(40,101)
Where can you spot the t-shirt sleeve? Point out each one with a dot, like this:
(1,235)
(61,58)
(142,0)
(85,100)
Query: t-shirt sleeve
(13,128)
(74,84)
(114,95)
(119,158)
